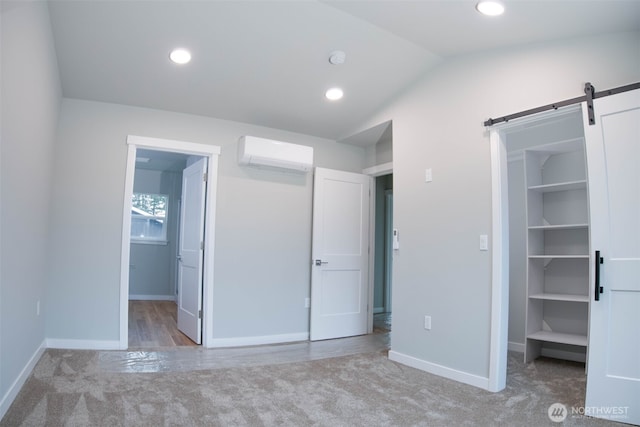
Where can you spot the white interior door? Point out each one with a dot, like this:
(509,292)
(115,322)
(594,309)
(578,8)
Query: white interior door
(190,252)
(613,159)
(340,264)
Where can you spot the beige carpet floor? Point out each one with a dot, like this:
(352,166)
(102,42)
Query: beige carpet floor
(69,388)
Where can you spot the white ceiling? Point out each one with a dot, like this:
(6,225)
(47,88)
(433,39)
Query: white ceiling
(266,62)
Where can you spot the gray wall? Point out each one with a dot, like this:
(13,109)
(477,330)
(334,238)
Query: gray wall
(263,225)
(31,97)
(152,267)
(438,123)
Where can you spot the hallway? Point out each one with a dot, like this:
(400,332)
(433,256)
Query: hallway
(153,324)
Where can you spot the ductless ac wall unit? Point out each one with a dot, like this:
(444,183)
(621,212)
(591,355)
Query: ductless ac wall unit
(254,151)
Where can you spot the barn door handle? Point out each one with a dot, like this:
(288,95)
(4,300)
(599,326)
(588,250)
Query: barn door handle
(598,289)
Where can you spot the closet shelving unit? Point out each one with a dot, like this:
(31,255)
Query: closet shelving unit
(557,250)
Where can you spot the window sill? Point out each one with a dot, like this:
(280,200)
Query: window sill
(149,242)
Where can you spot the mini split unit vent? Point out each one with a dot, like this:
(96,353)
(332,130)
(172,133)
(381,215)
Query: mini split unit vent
(256,151)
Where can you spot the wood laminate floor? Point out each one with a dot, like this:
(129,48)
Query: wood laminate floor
(153,324)
(382,322)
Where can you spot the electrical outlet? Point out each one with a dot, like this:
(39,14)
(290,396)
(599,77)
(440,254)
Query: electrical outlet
(427,323)
(307,302)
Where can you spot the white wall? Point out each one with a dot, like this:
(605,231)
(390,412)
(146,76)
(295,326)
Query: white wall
(438,123)
(517,254)
(263,229)
(31,97)
(382,151)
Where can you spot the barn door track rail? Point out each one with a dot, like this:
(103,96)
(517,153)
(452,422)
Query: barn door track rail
(588,97)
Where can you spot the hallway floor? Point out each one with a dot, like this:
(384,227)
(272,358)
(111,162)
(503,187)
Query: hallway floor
(153,324)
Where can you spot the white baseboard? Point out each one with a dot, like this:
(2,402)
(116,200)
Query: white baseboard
(259,340)
(152,297)
(13,391)
(71,344)
(516,346)
(440,370)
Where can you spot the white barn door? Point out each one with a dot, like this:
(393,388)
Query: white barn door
(340,252)
(613,160)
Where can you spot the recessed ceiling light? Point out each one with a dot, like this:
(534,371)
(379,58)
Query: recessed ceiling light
(180,56)
(334,94)
(490,8)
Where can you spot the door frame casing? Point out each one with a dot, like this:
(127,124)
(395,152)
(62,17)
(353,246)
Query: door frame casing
(212,153)
(499,334)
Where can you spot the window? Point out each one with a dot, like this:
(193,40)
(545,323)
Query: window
(149,218)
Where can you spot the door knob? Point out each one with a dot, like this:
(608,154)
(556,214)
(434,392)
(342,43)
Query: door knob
(319,262)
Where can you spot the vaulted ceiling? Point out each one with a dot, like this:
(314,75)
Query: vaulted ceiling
(266,62)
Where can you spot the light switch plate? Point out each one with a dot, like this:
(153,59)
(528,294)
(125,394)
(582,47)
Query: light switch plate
(427,323)
(484,242)
(428,175)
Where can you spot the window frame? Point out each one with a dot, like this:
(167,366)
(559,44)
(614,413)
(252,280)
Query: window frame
(146,240)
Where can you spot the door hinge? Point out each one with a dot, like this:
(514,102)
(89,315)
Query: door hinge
(199,314)
(201,245)
(204,177)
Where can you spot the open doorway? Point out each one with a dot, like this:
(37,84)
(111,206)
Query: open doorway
(168,243)
(383,257)
(154,268)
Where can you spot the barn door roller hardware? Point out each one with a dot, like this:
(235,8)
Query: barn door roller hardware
(590,95)
(590,91)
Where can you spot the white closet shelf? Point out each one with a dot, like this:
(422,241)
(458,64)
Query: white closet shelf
(558,256)
(560,186)
(556,231)
(558,337)
(558,147)
(561,297)
(559,227)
